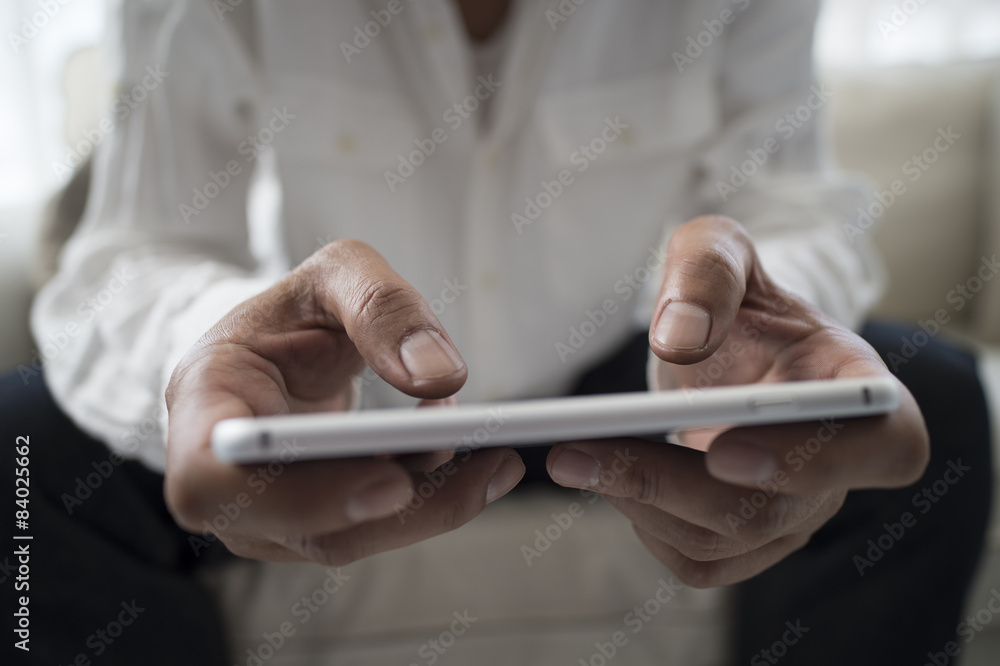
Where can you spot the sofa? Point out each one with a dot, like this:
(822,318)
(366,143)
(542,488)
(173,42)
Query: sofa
(940,233)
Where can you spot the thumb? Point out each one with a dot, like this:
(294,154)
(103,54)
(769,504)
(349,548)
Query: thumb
(390,323)
(710,261)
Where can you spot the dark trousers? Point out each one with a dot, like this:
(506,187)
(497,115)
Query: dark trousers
(114,555)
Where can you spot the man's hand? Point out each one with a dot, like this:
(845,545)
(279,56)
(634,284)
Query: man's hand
(296,348)
(718,313)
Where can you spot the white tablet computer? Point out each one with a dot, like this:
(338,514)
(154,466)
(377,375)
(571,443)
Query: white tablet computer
(546,421)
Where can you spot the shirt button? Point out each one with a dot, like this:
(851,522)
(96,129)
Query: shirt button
(346,143)
(433,33)
(627,137)
(489,280)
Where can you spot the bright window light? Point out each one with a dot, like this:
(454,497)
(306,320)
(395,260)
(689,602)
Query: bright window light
(878,33)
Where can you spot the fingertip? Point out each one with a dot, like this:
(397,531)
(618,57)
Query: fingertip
(434,367)
(708,263)
(450,401)
(682,332)
(507,475)
(573,468)
(739,462)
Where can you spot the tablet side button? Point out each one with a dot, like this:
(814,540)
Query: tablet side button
(773,405)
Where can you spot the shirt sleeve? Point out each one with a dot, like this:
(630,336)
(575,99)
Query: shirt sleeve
(767,166)
(163,249)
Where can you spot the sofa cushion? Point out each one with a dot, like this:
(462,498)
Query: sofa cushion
(885,124)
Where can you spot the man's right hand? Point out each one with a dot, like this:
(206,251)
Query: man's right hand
(295,348)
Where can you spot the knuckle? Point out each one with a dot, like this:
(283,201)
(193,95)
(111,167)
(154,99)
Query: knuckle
(336,550)
(342,248)
(644,484)
(772,519)
(709,271)
(704,545)
(719,264)
(340,252)
(382,301)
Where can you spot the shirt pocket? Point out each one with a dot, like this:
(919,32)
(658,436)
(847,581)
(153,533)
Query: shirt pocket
(631,148)
(665,113)
(333,160)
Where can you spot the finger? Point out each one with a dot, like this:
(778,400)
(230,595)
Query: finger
(459,492)
(431,460)
(715,573)
(709,262)
(747,525)
(389,322)
(285,495)
(256,547)
(673,480)
(423,462)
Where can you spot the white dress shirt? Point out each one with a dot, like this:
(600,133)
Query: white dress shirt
(533,249)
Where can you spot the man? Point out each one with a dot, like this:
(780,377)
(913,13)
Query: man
(522,162)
